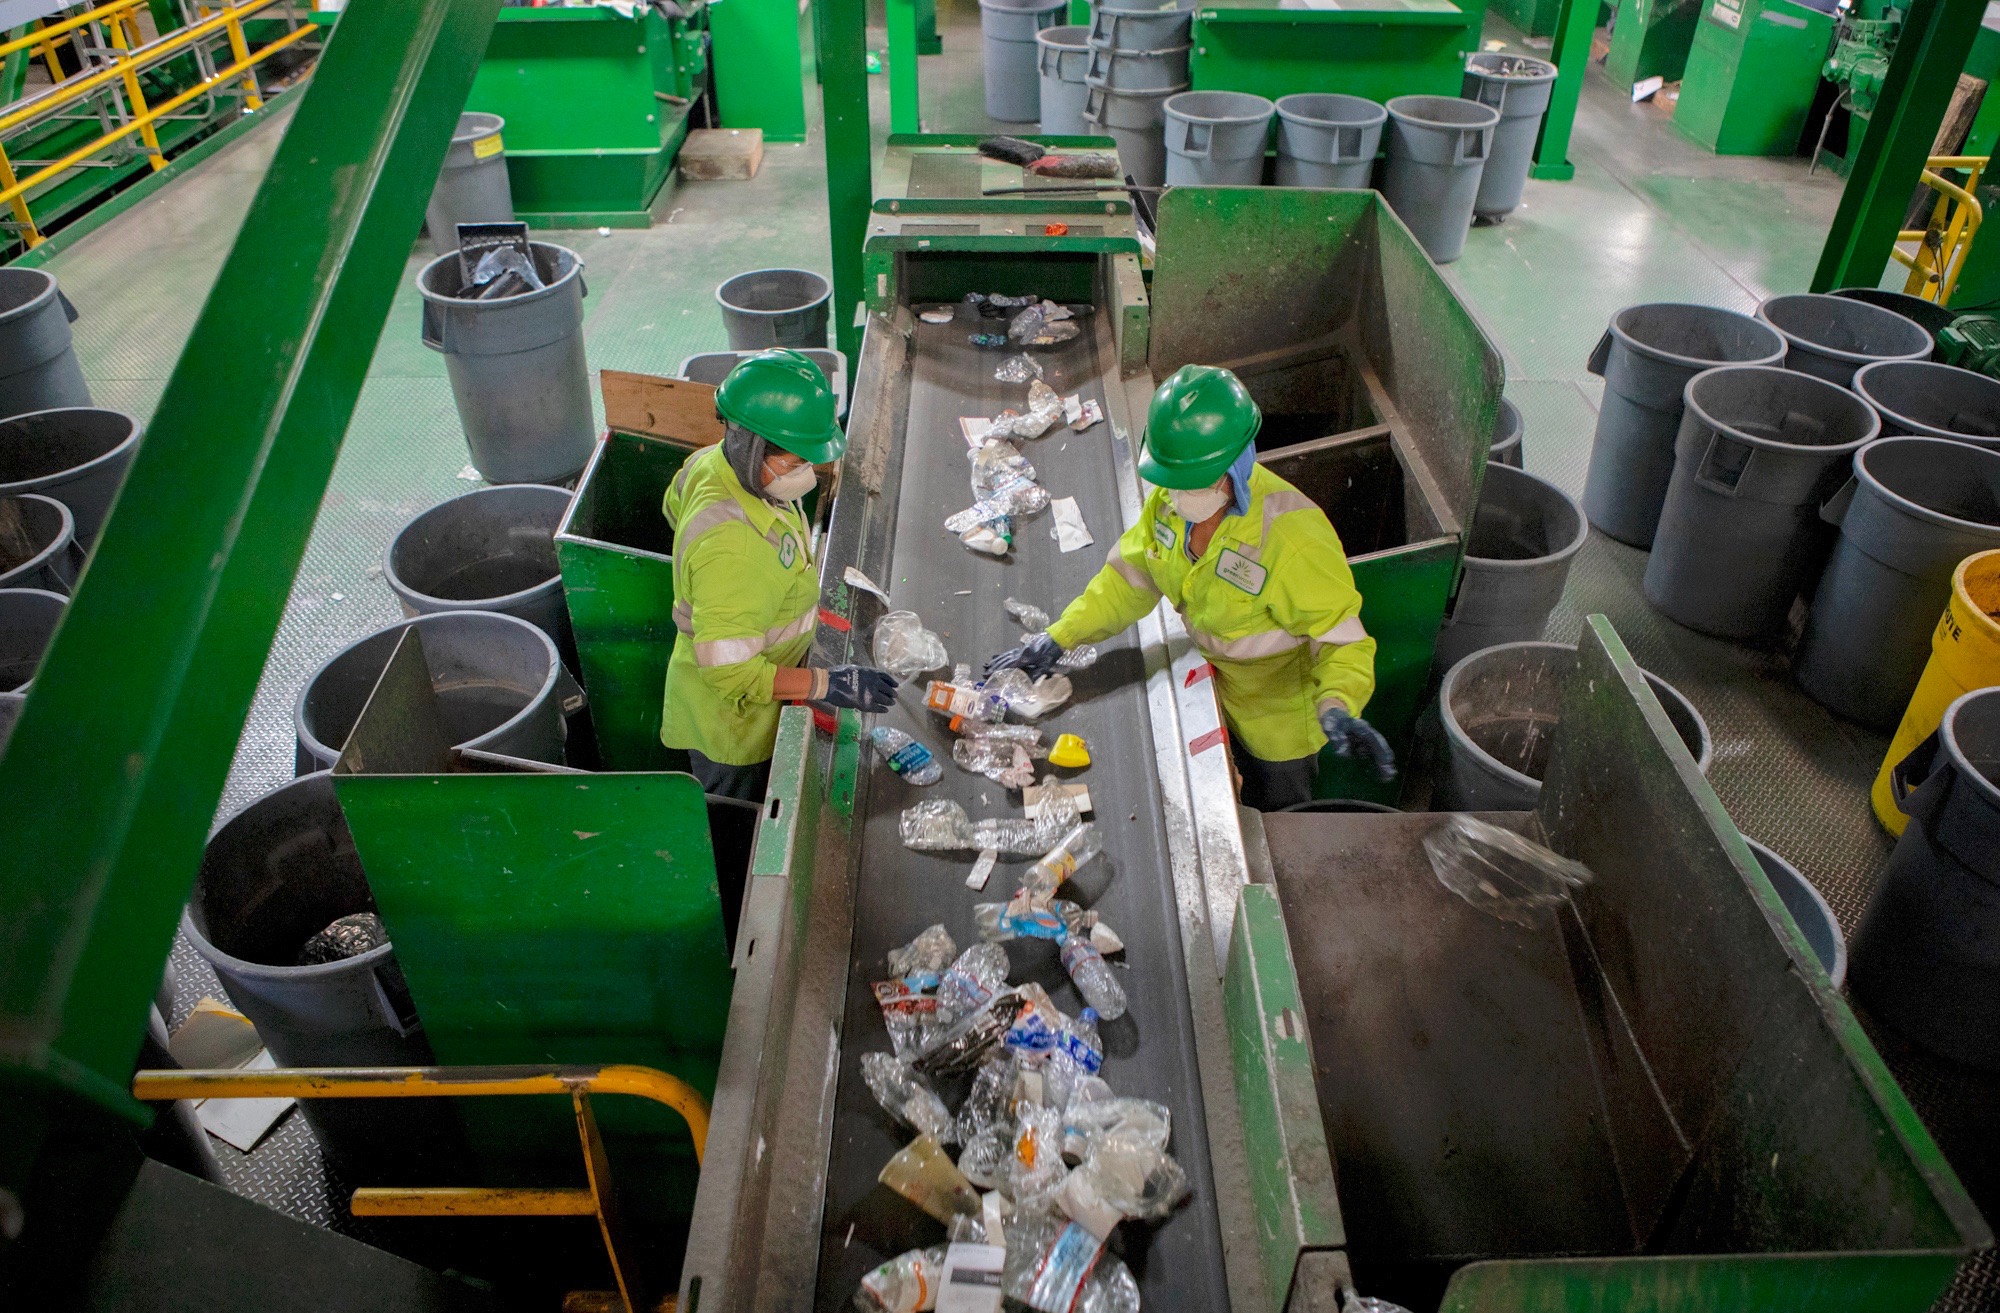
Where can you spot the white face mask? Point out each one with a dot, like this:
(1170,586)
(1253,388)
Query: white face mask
(792,484)
(1196,505)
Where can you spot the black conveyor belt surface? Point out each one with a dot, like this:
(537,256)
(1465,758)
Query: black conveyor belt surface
(1150,1051)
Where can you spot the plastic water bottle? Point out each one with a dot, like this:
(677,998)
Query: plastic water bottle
(976,977)
(1078,1054)
(1092,976)
(1061,862)
(907,757)
(904,1284)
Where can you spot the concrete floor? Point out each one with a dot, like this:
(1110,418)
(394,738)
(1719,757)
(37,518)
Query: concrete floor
(1648,217)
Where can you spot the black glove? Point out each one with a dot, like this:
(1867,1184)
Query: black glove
(1348,734)
(862,688)
(1034,658)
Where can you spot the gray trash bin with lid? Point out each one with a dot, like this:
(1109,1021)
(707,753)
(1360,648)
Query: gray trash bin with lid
(1501,707)
(517,367)
(774,307)
(1007,30)
(1926,399)
(38,367)
(1326,139)
(37,544)
(1646,358)
(500,684)
(1437,148)
(1518,86)
(1062,55)
(472,187)
(1216,138)
(1914,508)
(1525,533)
(1832,336)
(1927,953)
(1740,534)
(273,875)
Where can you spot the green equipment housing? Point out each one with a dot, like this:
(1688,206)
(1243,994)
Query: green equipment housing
(1752,74)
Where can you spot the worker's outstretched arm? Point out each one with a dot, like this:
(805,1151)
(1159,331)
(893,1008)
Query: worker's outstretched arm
(1313,596)
(1115,598)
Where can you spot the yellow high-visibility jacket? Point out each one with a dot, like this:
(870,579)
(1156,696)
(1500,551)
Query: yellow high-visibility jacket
(746,594)
(1271,603)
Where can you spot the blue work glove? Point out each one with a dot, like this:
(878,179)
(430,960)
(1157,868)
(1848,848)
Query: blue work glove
(862,688)
(1034,658)
(1349,733)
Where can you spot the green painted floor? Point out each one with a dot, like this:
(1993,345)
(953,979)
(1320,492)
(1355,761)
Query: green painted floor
(1647,218)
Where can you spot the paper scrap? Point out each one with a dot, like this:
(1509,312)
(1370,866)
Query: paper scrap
(469,474)
(1034,794)
(1069,531)
(240,1123)
(855,579)
(974,427)
(1080,414)
(970,1282)
(982,869)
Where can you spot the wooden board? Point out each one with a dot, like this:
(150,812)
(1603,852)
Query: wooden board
(722,154)
(672,408)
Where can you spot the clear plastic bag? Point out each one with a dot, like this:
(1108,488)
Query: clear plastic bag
(1027,615)
(504,271)
(1502,873)
(1057,1266)
(906,649)
(990,1101)
(1129,1174)
(1003,761)
(936,825)
(906,1096)
(1087,1119)
(1043,412)
(1029,699)
(986,1155)
(929,953)
(1042,324)
(1018,369)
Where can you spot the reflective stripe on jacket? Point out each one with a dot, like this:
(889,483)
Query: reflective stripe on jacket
(1271,603)
(746,596)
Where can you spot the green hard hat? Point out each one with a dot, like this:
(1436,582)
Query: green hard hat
(782,397)
(1198,424)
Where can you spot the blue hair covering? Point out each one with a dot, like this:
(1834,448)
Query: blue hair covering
(1239,479)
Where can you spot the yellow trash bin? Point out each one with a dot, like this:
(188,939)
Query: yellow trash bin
(1965,655)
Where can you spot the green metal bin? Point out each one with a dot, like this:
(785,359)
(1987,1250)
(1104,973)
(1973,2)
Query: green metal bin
(1752,74)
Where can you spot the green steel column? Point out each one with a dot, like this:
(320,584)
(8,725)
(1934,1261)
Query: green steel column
(114,772)
(928,41)
(1922,76)
(904,114)
(843,90)
(1571,55)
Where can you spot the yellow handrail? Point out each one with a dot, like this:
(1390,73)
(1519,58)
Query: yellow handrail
(41,36)
(1943,244)
(128,60)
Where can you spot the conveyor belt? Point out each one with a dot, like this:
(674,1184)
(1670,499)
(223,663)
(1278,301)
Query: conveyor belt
(1151,1050)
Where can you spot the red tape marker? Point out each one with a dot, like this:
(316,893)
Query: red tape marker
(1199,673)
(1202,743)
(834,620)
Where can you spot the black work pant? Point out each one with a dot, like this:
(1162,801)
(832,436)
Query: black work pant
(749,783)
(1272,786)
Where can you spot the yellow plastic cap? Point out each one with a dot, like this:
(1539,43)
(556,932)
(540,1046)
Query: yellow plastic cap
(1069,752)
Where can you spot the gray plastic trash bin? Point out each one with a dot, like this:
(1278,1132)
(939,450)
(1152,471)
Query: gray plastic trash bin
(517,368)
(1927,952)
(1062,55)
(1931,400)
(1437,148)
(1137,122)
(77,456)
(28,620)
(774,307)
(1646,358)
(1007,30)
(1216,138)
(489,550)
(1927,315)
(1913,510)
(1328,140)
(1501,708)
(37,544)
(1832,336)
(499,681)
(1138,70)
(1518,86)
(1140,26)
(472,187)
(1525,533)
(38,368)
(10,715)
(1740,534)
(1507,434)
(1808,908)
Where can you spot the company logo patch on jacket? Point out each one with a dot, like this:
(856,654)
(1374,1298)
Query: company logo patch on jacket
(1238,569)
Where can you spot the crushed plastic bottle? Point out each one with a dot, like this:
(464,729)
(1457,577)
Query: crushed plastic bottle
(1077,1055)
(1500,872)
(985,1156)
(964,702)
(1044,324)
(906,1096)
(1004,762)
(1018,368)
(905,756)
(938,825)
(1055,1265)
(923,1173)
(1021,919)
(930,952)
(941,825)
(1003,488)
(906,649)
(1074,850)
(990,1101)
(972,981)
(1093,978)
(1031,1036)
(1044,409)
(907,1283)
(1130,1175)
(909,1013)
(1093,1113)
(1037,1169)
(1026,698)
(1027,615)
(963,1045)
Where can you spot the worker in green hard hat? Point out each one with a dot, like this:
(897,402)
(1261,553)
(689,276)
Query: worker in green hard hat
(1258,574)
(746,586)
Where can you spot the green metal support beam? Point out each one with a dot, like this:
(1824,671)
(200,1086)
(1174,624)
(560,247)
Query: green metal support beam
(1922,76)
(904,113)
(113,774)
(1574,28)
(843,90)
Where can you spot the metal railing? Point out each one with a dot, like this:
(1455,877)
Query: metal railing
(596,1199)
(115,79)
(1938,249)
